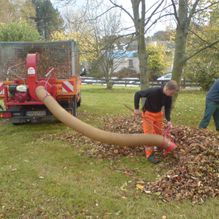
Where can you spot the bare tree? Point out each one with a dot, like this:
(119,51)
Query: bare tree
(106,29)
(184,15)
(185,12)
(139,22)
(104,25)
(143,19)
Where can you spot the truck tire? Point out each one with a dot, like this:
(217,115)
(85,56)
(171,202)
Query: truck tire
(18,121)
(73,106)
(79,102)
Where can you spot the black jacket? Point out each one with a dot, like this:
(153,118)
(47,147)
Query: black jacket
(155,100)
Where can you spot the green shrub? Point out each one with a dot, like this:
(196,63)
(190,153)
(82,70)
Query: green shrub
(18,31)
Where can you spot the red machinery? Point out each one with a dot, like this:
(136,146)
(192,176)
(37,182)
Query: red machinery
(20,100)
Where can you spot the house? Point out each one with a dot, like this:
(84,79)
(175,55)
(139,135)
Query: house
(125,60)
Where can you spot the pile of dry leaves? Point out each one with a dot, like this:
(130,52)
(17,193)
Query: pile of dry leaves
(195,170)
(194,165)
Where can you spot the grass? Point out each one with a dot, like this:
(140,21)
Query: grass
(44,178)
(188,110)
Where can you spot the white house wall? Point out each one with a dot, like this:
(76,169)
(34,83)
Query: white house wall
(121,63)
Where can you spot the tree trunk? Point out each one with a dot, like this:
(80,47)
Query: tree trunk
(109,85)
(179,55)
(180,42)
(108,73)
(139,21)
(142,55)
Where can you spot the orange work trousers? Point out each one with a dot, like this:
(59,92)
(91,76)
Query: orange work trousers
(152,124)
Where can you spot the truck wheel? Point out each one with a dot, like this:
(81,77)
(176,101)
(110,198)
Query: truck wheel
(74,106)
(18,121)
(79,103)
(78,97)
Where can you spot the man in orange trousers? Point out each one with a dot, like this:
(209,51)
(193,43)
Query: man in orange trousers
(152,115)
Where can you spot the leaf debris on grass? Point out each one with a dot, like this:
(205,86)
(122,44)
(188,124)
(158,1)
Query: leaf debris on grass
(193,167)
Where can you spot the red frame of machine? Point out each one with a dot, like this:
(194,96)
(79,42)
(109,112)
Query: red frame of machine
(53,85)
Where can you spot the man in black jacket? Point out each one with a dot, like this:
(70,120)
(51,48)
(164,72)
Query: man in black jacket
(152,116)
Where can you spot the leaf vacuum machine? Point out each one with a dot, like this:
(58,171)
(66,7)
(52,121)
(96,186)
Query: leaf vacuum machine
(26,65)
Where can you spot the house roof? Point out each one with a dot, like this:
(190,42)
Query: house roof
(124,54)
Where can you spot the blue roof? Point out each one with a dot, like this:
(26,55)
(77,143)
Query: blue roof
(124,54)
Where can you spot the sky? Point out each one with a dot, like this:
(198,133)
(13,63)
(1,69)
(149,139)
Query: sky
(161,25)
(126,21)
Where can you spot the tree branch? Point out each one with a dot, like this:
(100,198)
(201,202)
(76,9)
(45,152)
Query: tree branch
(175,12)
(151,6)
(165,8)
(202,9)
(202,49)
(153,12)
(191,13)
(143,12)
(155,21)
(109,9)
(122,8)
(203,40)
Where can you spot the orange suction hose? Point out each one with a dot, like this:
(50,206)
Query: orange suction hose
(95,133)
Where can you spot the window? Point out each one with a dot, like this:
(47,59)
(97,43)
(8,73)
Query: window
(131,65)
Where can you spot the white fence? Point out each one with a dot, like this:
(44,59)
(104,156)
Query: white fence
(131,82)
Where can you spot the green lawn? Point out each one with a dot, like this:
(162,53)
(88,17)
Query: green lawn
(46,178)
